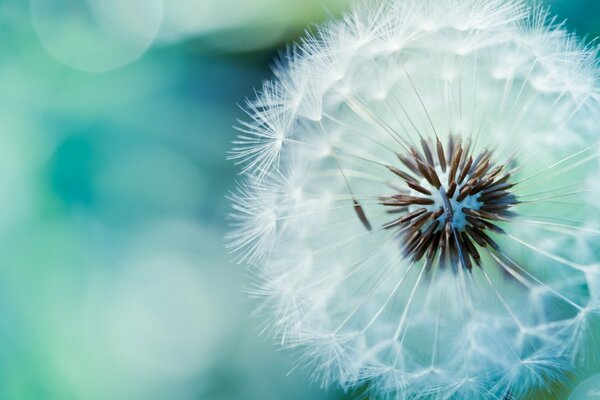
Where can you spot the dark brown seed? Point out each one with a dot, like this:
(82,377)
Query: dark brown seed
(472,182)
(400,173)
(405,218)
(424,171)
(425,240)
(434,177)
(476,222)
(421,248)
(451,190)
(451,247)
(450,146)
(486,238)
(493,228)
(431,229)
(361,215)
(404,200)
(481,214)
(471,249)
(504,179)
(435,243)
(496,208)
(440,153)
(493,195)
(498,186)
(392,224)
(454,164)
(486,183)
(416,155)
(495,171)
(475,235)
(464,192)
(462,254)
(479,186)
(427,151)
(431,252)
(418,188)
(418,222)
(412,241)
(479,160)
(443,249)
(438,213)
(466,153)
(409,164)
(465,170)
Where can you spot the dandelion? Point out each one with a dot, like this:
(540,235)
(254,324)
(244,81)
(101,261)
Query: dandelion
(419,200)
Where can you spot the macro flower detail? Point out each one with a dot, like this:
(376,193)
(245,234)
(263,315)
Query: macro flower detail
(418,203)
(451,206)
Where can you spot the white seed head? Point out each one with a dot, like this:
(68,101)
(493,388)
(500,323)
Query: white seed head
(420,200)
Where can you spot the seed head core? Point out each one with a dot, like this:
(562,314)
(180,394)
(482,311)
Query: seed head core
(452,201)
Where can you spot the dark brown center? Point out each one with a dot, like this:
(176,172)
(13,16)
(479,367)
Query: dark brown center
(452,201)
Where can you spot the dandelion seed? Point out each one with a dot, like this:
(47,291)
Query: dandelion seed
(419,204)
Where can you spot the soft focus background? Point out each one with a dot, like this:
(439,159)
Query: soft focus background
(115,120)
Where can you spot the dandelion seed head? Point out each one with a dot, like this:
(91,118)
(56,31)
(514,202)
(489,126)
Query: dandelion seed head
(419,197)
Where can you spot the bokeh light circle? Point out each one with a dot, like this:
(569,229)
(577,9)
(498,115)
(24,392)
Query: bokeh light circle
(588,389)
(185,18)
(96,35)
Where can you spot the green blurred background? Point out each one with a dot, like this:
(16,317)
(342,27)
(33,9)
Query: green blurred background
(115,120)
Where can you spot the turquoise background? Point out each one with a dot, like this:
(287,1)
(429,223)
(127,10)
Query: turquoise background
(115,121)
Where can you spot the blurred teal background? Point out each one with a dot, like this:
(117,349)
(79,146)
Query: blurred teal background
(115,120)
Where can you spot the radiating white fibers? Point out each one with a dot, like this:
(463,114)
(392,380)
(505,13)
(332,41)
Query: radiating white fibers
(318,154)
